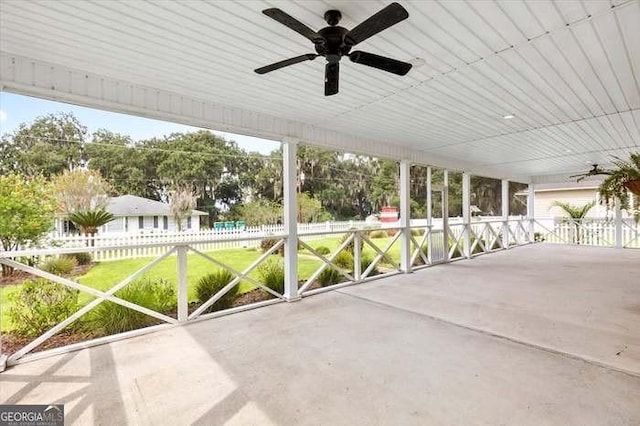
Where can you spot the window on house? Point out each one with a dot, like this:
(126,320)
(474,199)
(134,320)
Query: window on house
(165,222)
(189,222)
(155,222)
(140,222)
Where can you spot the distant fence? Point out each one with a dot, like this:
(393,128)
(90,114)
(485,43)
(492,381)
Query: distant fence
(132,245)
(592,232)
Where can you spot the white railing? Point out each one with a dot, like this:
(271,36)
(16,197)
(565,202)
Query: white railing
(593,232)
(370,258)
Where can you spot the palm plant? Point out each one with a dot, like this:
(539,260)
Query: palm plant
(90,220)
(576,213)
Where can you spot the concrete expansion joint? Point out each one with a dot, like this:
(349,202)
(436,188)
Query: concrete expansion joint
(490,333)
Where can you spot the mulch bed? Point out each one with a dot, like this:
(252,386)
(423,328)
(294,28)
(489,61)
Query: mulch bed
(18,277)
(253,296)
(11,343)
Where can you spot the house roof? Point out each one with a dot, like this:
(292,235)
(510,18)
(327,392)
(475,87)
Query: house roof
(567,186)
(592,184)
(132,205)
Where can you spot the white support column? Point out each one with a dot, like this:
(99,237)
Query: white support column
(618,219)
(445,214)
(466,213)
(531,213)
(357,256)
(405,216)
(429,217)
(505,213)
(290,197)
(183,288)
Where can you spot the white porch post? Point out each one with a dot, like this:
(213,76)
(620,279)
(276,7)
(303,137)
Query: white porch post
(290,182)
(445,214)
(531,213)
(405,219)
(466,213)
(183,289)
(505,213)
(618,219)
(429,217)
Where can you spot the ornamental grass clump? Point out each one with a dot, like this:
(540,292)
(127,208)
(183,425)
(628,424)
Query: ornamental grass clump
(111,318)
(210,284)
(62,265)
(272,274)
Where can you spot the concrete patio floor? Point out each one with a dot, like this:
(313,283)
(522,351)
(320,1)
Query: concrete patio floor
(538,335)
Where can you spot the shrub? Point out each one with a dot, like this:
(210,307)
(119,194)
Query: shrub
(378,234)
(349,246)
(344,259)
(267,243)
(111,318)
(62,265)
(82,258)
(323,250)
(272,274)
(538,236)
(417,232)
(40,304)
(211,284)
(365,261)
(329,276)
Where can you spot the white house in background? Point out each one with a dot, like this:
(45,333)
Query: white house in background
(575,193)
(135,214)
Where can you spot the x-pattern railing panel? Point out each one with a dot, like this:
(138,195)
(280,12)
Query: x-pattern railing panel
(101,296)
(239,276)
(419,251)
(327,263)
(456,241)
(382,254)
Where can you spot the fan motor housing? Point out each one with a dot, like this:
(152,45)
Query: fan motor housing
(334,41)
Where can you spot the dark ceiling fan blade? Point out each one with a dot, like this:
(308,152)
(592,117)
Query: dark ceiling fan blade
(380,62)
(382,20)
(291,22)
(331,78)
(286,63)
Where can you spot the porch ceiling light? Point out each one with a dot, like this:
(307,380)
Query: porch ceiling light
(508,116)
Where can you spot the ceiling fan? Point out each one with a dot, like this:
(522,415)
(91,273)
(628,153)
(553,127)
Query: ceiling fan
(595,170)
(334,42)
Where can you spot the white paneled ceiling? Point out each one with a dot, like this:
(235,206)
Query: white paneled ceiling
(569,71)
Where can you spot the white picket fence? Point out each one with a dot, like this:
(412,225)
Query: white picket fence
(593,232)
(120,246)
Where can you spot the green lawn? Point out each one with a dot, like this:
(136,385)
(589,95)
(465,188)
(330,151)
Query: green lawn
(106,274)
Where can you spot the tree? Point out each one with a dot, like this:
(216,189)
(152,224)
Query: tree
(577,214)
(182,201)
(27,207)
(49,145)
(309,208)
(81,190)
(260,212)
(125,164)
(88,221)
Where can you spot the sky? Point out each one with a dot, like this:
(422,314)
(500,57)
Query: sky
(17,109)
